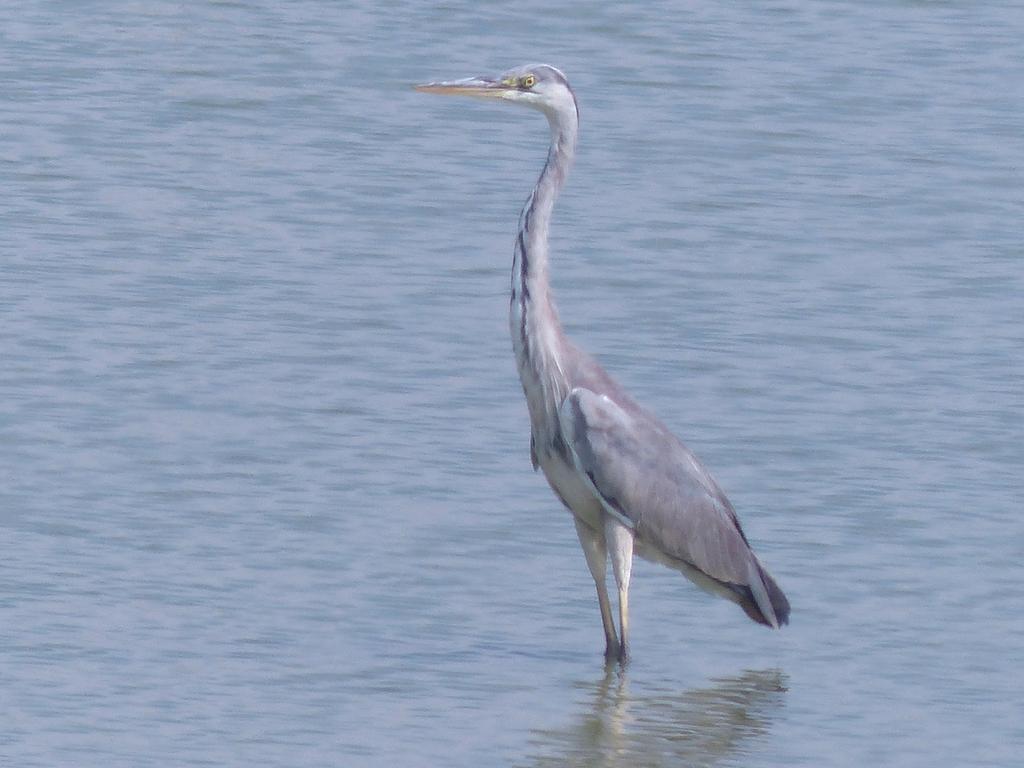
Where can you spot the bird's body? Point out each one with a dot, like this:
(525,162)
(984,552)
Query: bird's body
(629,482)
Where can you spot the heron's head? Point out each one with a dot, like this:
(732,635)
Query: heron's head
(540,86)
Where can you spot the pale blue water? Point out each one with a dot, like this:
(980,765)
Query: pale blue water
(265,493)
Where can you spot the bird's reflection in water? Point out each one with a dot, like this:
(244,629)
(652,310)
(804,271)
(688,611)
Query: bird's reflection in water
(699,726)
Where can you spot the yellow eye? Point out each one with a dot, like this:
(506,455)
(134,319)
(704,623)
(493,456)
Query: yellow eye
(528,82)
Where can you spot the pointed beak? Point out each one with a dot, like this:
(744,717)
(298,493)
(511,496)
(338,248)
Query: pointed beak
(479,87)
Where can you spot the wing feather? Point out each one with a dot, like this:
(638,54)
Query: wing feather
(643,473)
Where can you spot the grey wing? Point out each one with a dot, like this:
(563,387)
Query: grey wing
(646,478)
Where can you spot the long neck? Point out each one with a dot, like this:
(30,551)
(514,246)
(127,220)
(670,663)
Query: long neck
(537,336)
(530,282)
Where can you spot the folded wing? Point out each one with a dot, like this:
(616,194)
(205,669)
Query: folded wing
(646,478)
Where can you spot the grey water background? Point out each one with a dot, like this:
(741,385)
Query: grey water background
(265,494)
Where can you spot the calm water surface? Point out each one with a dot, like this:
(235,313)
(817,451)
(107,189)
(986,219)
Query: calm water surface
(266,496)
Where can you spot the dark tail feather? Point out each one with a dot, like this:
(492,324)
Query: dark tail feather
(775,596)
(779,602)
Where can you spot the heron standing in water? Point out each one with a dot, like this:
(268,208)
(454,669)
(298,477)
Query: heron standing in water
(630,484)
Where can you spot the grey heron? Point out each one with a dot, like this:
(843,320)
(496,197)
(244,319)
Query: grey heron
(630,483)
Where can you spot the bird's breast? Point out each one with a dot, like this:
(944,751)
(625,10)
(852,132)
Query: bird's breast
(566,483)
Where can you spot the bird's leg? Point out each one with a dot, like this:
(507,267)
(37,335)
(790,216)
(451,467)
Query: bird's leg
(619,542)
(597,560)
(612,649)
